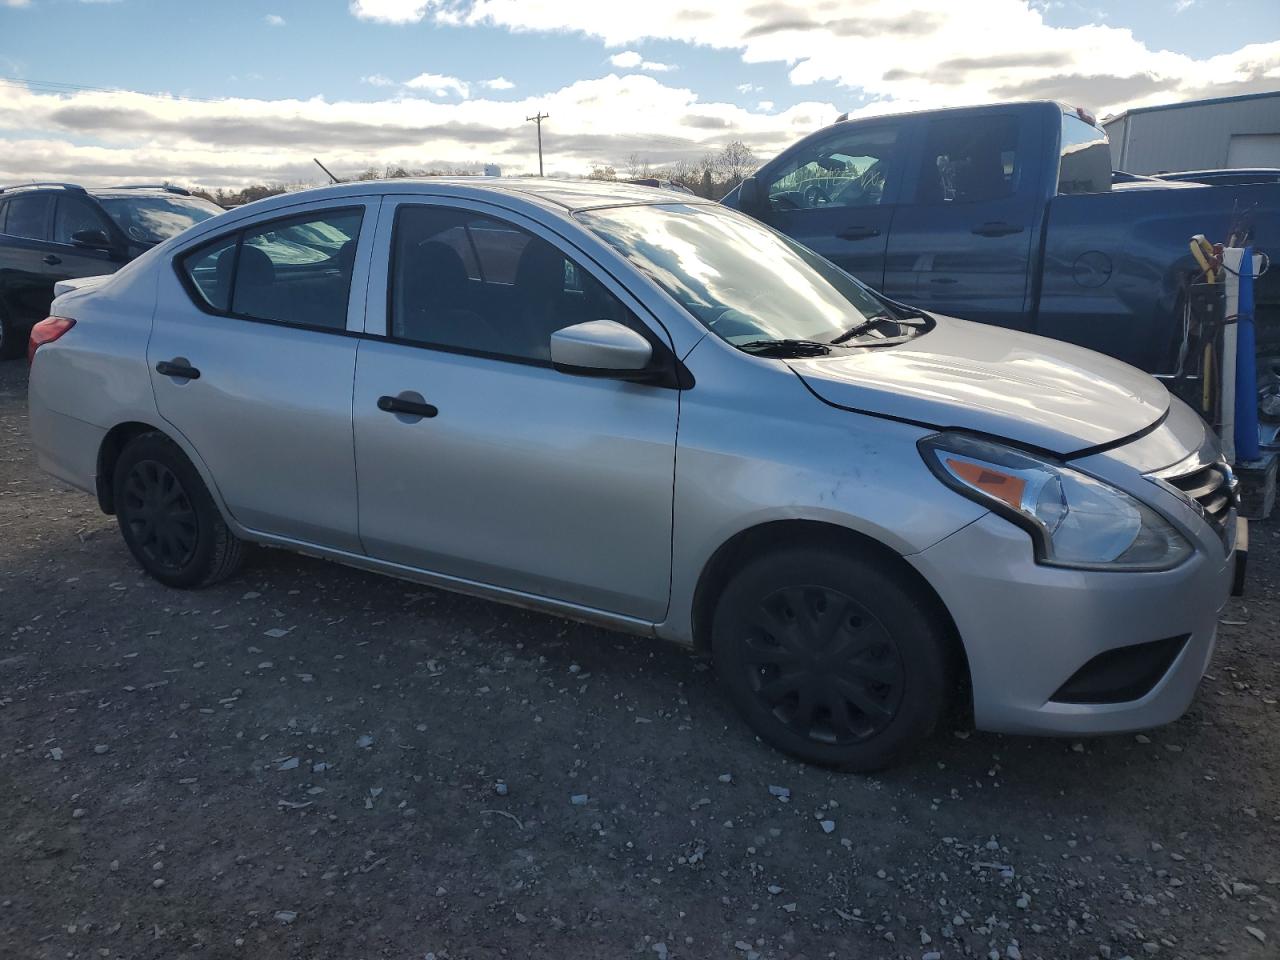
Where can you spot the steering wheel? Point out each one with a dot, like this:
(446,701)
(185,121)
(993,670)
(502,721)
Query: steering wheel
(815,196)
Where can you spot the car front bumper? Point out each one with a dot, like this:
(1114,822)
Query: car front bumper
(1028,629)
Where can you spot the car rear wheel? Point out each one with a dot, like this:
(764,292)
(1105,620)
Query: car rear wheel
(832,658)
(167,517)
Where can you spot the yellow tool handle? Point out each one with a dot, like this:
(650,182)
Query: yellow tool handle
(1202,250)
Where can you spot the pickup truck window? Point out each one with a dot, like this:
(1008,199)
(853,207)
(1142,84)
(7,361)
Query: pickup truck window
(1086,158)
(849,169)
(970,160)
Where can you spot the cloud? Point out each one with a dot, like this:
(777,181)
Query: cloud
(15,3)
(749,88)
(95,136)
(498,83)
(440,85)
(630,60)
(765,105)
(896,54)
(273,20)
(390,11)
(378,80)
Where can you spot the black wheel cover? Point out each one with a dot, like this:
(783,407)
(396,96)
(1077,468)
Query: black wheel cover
(160,516)
(822,664)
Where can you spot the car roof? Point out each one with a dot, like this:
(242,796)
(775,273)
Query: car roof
(122,190)
(564,195)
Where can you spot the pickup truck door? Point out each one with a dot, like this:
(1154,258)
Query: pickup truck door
(835,194)
(963,244)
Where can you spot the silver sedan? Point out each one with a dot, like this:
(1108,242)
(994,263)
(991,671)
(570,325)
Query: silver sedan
(655,414)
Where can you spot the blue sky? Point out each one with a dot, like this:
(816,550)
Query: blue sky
(761,73)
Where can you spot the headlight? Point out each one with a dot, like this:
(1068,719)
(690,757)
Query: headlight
(1074,520)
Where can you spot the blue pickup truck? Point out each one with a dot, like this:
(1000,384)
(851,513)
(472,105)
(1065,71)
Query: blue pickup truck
(1007,214)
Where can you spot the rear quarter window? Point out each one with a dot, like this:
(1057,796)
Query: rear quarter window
(208,269)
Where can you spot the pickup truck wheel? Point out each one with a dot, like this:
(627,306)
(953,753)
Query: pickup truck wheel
(831,658)
(167,517)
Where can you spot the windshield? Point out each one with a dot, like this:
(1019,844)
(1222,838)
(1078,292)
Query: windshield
(742,281)
(152,219)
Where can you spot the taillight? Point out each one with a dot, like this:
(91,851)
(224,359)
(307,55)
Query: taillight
(46,331)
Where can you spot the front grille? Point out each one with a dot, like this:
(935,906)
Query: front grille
(1213,489)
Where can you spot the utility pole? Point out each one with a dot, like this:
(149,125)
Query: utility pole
(538,118)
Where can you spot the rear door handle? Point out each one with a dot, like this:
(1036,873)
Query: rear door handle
(859,233)
(406,406)
(51,259)
(177,367)
(995,228)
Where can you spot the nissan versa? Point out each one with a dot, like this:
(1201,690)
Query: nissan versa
(659,415)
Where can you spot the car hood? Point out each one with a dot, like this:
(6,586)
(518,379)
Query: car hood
(1030,390)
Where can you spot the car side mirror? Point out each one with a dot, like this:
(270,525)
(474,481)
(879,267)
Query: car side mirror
(602,348)
(95,239)
(750,196)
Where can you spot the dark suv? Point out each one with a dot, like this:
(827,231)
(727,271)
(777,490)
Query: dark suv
(56,231)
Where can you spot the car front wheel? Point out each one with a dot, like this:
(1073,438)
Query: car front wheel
(831,657)
(167,517)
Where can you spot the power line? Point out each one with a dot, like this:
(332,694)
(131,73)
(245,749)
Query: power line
(59,86)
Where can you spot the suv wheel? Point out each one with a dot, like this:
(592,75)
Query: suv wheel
(831,658)
(167,517)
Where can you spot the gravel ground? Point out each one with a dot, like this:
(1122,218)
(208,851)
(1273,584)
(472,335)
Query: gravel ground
(309,761)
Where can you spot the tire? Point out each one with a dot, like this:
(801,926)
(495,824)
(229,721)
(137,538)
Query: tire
(167,517)
(832,658)
(11,345)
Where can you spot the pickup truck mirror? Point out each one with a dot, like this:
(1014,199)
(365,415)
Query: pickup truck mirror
(750,196)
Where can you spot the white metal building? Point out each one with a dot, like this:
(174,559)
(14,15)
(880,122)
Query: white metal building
(1236,132)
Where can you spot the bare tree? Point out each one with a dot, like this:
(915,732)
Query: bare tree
(601,171)
(734,162)
(637,166)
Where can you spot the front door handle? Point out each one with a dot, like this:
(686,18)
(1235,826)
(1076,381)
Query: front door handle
(859,233)
(406,406)
(52,259)
(996,228)
(177,367)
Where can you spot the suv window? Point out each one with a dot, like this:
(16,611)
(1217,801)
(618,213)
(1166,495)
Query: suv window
(1086,158)
(74,214)
(851,169)
(970,159)
(28,216)
(468,282)
(295,270)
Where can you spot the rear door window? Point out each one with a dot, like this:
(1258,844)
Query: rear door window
(296,270)
(970,160)
(28,216)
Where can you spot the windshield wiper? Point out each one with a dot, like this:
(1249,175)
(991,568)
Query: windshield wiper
(903,319)
(795,348)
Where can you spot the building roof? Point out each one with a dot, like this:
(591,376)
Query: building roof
(1189,103)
